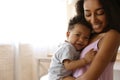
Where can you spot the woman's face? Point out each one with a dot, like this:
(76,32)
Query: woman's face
(94,13)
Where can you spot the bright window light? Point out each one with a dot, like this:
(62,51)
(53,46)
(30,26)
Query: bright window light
(39,22)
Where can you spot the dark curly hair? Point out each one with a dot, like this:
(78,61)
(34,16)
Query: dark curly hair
(78,20)
(112,10)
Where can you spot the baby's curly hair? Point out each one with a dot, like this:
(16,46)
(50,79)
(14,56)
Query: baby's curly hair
(78,20)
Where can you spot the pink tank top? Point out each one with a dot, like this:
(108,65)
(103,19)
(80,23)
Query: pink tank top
(108,72)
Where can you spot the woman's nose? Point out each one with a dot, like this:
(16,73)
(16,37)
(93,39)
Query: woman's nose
(93,19)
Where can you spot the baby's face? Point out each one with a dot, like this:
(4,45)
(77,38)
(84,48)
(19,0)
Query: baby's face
(79,36)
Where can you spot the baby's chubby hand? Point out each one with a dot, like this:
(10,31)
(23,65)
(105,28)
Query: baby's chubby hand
(90,55)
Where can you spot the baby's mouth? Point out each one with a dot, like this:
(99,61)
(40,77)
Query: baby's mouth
(80,45)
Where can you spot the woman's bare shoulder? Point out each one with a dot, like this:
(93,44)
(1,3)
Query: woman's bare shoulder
(112,33)
(111,38)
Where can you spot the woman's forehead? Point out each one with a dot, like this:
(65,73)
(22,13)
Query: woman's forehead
(92,4)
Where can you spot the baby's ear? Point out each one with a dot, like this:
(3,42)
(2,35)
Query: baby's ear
(67,34)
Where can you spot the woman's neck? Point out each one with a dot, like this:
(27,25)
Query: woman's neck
(96,37)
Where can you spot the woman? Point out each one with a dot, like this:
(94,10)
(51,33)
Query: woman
(105,20)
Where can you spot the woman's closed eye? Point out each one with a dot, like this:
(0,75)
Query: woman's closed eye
(100,12)
(97,12)
(87,14)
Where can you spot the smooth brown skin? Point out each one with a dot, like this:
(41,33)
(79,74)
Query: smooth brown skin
(105,55)
(73,65)
(108,46)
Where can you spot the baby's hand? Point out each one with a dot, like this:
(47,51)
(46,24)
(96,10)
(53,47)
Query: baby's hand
(90,56)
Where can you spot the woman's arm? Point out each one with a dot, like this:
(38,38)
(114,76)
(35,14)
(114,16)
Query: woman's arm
(107,49)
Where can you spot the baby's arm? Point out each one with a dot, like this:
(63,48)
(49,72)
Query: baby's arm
(72,65)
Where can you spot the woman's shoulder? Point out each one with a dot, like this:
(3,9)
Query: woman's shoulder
(111,36)
(112,32)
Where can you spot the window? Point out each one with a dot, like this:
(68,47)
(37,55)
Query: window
(38,22)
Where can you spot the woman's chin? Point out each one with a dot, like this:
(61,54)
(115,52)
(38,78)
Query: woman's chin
(97,31)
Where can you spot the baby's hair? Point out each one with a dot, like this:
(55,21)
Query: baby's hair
(78,20)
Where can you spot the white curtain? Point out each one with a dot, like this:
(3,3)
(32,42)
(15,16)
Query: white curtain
(42,23)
